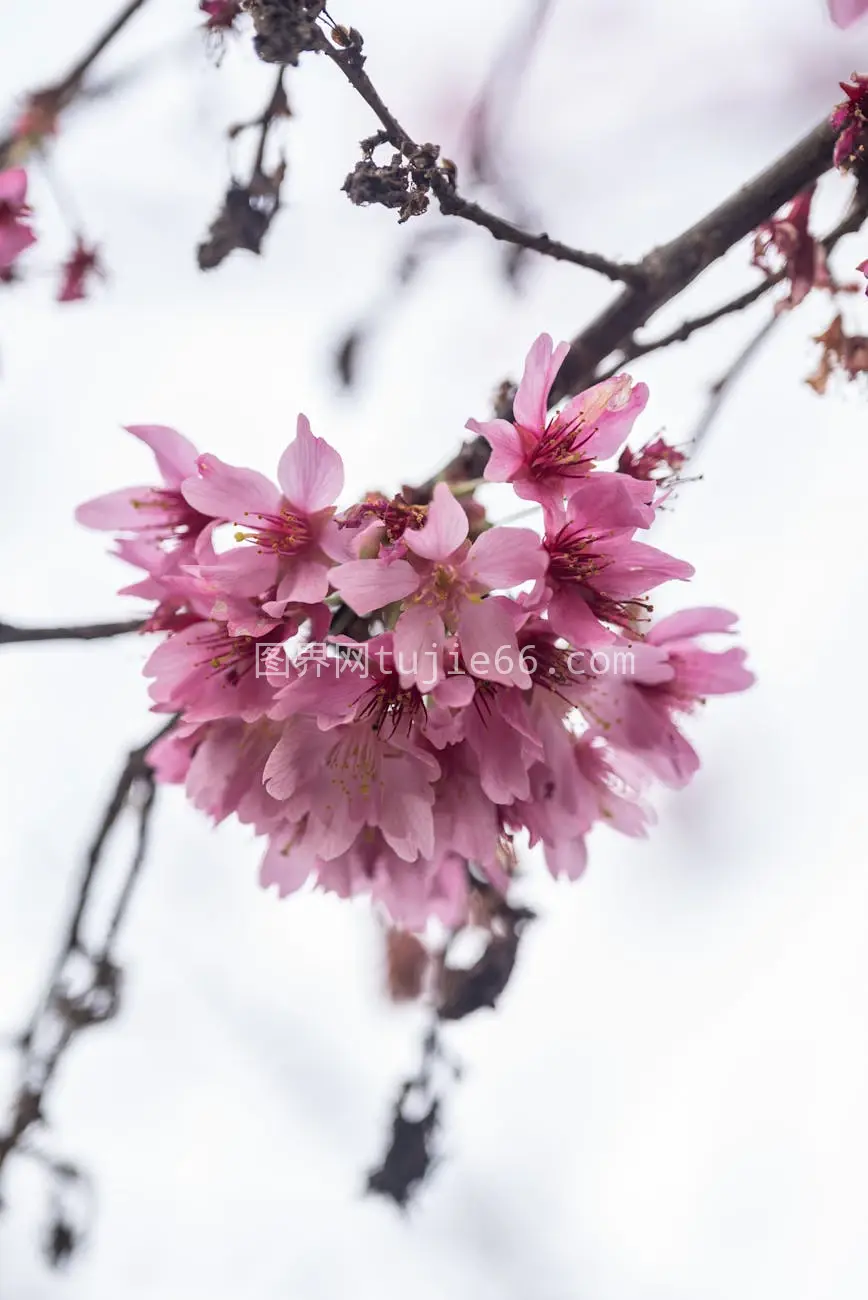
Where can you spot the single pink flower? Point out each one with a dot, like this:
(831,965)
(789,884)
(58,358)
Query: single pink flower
(672,673)
(547,460)
(15,234)
(287,533)
(443,583)
(597,574)
(803,259)
(846,12)
(156,513)
(82,264)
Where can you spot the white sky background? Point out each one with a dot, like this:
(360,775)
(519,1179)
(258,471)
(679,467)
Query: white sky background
(670,1103)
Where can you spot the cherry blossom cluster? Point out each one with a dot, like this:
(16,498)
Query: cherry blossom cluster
(392,692)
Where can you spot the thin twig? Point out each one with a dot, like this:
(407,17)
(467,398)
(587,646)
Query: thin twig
(61,92)
(452,203)
(62,1009)
(11,635)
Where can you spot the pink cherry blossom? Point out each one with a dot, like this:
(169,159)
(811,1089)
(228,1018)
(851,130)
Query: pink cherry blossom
(846,12)
(158,513)
(597,575)
(287,534)
(15,234)
(850,120)
(443,582)
(547,460)
(673,673)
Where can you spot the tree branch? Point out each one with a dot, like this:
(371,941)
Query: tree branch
(11,635)
(453,204)
(61,92)
(73,1000)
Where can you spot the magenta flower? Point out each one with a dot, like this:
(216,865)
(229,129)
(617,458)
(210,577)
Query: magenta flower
(443,584)
(287,532)
(850,120)
(846,12)
(804,260)
(221,14)
(81,266)
(547,460)
(597,574)
(15,233)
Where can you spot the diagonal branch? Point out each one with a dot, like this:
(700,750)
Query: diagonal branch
(60,93)
(452,204)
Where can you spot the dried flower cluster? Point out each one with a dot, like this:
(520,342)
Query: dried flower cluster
(512,683)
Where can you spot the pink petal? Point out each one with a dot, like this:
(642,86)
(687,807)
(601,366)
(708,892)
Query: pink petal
(507,452)
(14,239)
(307,582)
(286,866)
(456,691)
(116,510)
(640,568)
(419,638)
(572,617)
(240,572)
(444,530)
(605,500)
(230,491)
(505,557)
(310,472)
(13,186)
(486,633)
(606,413)
(845,12)
(175,455)
(688,623)
(540,368)
(367,585)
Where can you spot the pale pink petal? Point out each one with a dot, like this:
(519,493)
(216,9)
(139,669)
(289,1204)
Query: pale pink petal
(703,672)
(367,585)
(507,452)
(567,858)
(230,491)
(310,472)
(542,365)
(175,455)
(444,530)
(419,639)
(689,623)
(610,501)
(505,557)
(14,239)
(286,866)
(13,186)
(456,691)
(128,508)
(640,568)
(486,633)
(571,617)
(605,414)
(307,582)
(243,571)
(845,12)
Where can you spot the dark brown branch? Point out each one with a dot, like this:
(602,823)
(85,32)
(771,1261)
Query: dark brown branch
(65,1007)
(451,202)
(11,635)
(61,92)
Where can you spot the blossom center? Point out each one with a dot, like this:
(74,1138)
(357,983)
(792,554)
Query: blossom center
(284,533)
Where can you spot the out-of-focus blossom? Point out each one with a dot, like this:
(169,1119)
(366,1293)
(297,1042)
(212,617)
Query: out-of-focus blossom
(82,264)
(15,233)
(656,462)
(801,257)
(850,120)
(846,12)
(220,14)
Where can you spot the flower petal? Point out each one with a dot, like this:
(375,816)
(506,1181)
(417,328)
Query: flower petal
(229,491)
(175,455)
(367,585)
(444,530)
(542,365)
(505,557)
(310,472)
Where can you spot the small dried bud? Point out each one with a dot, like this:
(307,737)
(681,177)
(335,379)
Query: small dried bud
(285,29)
